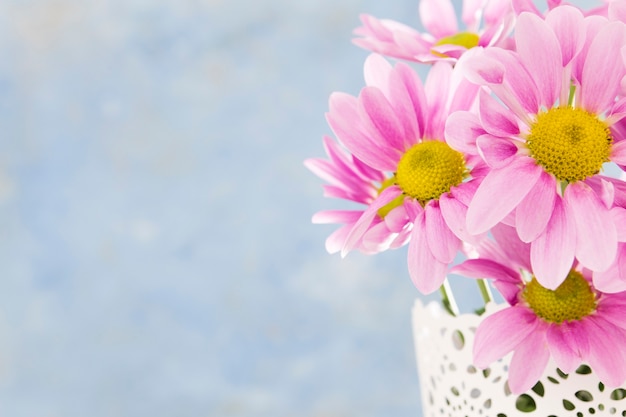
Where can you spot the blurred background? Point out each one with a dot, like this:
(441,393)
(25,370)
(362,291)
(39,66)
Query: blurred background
(156,251)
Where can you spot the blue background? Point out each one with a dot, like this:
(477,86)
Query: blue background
(156,251)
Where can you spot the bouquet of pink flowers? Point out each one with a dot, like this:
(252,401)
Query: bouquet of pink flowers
(503,155)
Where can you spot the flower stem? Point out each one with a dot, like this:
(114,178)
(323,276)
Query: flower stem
(485,291)
(447,299)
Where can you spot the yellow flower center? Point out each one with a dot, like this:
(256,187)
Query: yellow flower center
(572,300)
(570,143)
(429,169)
(396,202)
(465,39)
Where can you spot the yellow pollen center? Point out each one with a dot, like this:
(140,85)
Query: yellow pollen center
(465,39)
(396,202)
(429,169)
(571,301)
(570,143)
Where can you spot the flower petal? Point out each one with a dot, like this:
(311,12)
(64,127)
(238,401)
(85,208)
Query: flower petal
(486,268)
(442,242)
(534,211)
(552,253)
(618,152)
(566,22)
(540,52)
(376,72)
(344,119)
(427,273)
(596,234)
(501,332)
(603,71)
(437,89)
(438,17)
(495,118)
(454,213)
(500,192)
(495,151)
(462,129)
(515,251)
(565,357)
(528,362)
(604,358)
(381,120)
(364,222)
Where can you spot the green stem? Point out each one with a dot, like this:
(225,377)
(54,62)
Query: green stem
(447,299)
(485,291)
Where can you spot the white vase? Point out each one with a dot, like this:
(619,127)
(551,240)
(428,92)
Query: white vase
(452,387)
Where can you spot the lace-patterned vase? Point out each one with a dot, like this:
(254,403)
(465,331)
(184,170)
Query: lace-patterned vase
(452,387)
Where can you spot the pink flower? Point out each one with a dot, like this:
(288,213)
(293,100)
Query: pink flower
(444,40)
(350,179)
(545,132)
(573,324)
(415,182)
(521,6)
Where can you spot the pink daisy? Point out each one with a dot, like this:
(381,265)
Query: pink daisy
(574,323)
(350,179)
(416,182)
(545,132)
(529,6)
(488,23)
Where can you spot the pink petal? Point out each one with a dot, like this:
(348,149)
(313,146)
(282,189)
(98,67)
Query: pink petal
(486,268)
(501,332)
(565,357)
(397,219)
(528,362)
(336,240)
(521,6)
(606,193)
(540,52)
(603,71)
(495,151)
(576,337)
(496,119)
(336,216)
(518,91)
(552,253)
(381,120)
(500,192)
(618,152)
(376,71)
(454,213)
(368,216)
(534,211)
(344,120)
(613,279)
(403,100)
(515,251)
(482,69)
(592,25)
(378,238)
(412,86)
(438,17)
(619,218)
(437,90)
(462,129)
(567,24)
(508,291)
(442,242)
(596,234)
(617,11)
(606,353)
(426,272)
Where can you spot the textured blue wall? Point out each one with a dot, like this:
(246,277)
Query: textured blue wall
(156,252)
